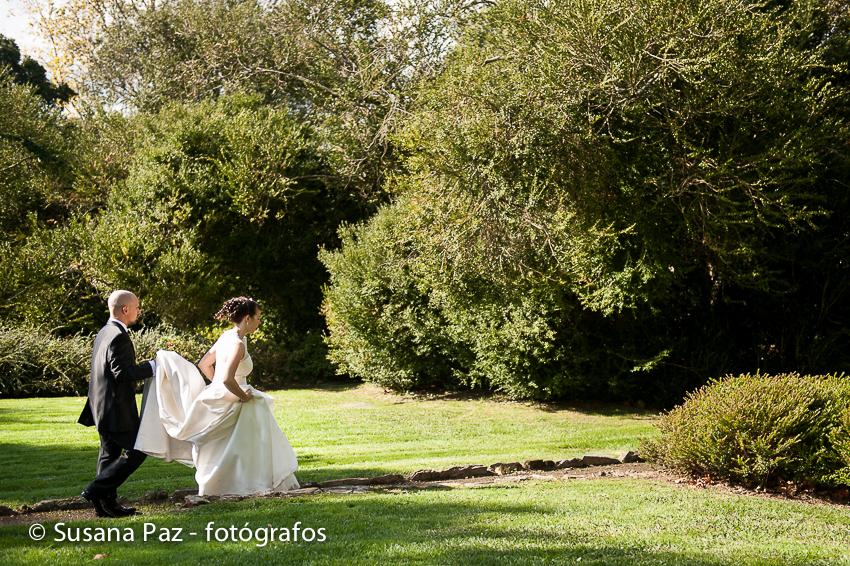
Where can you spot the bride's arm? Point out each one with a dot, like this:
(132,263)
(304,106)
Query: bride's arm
(207,363)
(230,377)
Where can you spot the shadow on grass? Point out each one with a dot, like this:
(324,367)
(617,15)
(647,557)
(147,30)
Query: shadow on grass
(331,386)
(36,472)
(590,408)
(375,529)
(9,415)
(33,473)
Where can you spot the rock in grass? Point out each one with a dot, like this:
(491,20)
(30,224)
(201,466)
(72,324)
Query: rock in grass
(600,461)
(181,494)
(59,505)
(501,469)
(387,479)
(457,472)
(631,457)
(541,465)
(195,500)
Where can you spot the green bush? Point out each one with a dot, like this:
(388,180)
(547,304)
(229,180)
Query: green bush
(611,199)
(400,318)
(301,360)
(166,337)
(221,198)
(34,363)
(760,429)
(382,326)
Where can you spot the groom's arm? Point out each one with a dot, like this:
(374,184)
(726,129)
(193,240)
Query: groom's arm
(122,361)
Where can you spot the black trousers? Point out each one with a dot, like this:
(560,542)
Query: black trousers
(114,466)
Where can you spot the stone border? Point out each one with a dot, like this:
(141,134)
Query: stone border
(190,497)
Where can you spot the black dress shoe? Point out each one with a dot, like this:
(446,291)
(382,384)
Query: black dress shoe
(115,509)
(99,508)
(112,498)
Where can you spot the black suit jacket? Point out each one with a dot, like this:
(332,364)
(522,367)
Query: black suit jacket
(111,405)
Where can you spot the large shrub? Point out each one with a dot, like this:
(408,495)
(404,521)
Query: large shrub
(34,156)
(221,199)
(34,363)
(614,198)
(212,200)
(382,325)
(401,318)
(760,429)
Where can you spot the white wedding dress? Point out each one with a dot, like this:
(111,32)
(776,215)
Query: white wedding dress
(236,448)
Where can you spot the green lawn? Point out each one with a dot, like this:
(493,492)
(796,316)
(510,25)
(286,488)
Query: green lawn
(360,431)
(343,432)
(600,521)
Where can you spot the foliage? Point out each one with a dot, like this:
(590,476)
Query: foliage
(611,198)
(33,363)
(345,66)
(28,71)
(34,157)
(410,324)
(215,199)
(760,429)
(165,337)
(382,326)
(45,283)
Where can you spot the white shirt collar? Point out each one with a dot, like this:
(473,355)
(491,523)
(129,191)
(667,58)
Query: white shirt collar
(124,326)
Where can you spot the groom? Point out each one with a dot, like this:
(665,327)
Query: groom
(111,405)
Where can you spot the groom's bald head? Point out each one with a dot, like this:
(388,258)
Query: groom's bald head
(124,306)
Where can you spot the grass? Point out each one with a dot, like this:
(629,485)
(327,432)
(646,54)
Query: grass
(361,431)
(342,432)
(600,521)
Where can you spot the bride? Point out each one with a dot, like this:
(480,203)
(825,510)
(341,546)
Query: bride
(227,429)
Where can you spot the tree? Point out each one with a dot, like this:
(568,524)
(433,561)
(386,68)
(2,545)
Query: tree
(346,66)
(28,71)
(34,156)
(649,176)
(221,198)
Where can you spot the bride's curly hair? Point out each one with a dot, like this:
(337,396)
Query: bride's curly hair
(237,308)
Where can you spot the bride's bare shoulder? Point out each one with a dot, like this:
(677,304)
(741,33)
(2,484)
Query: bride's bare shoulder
(229,342)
